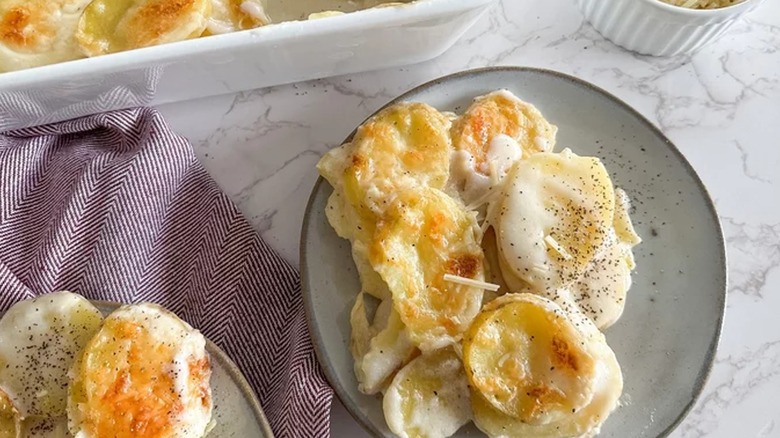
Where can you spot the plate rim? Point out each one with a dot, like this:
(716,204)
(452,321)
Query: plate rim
(704,373)
(230,367)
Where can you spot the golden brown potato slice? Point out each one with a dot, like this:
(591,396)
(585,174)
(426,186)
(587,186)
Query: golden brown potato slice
(38,32)
(537,372)
(423,236)
(496,131)
(405,145)
(109,26)
(526,358)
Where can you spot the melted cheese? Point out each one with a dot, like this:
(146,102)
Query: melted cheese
(554,218)
(476,179)
(424,235)
(38,32)
(145,373)
(496,131)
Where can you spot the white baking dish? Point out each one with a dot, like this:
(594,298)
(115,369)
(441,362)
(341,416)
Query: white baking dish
(271,55)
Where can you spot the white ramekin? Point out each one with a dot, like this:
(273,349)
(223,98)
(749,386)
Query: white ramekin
(651,27)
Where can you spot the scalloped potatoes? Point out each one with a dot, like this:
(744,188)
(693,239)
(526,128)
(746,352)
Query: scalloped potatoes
(65,371)
(423,236)
(483,197)
(555,215)
(145,373)
(38,32)
(109,26)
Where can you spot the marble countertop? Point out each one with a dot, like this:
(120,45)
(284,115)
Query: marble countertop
(721,107)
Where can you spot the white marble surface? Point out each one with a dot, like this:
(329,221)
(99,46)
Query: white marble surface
(720,106)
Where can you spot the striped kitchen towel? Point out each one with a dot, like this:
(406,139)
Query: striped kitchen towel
(117,207)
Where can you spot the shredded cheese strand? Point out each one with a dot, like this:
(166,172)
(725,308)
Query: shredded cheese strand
(471,282)
(552,243)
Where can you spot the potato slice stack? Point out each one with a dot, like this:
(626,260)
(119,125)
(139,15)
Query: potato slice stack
(434,205)
(39,32)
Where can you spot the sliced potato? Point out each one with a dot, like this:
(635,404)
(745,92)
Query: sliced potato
(38,32)
(39,339)
(494,133)
(585,422)
(370,279)
(527,359)
(501,113)
(554,218)
(424,235)
(429,397)
(379,349)
(600,292)
(404,145)
(358,230)
(108,26)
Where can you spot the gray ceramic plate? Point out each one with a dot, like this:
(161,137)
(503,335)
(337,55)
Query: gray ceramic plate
(667,337)
(236,408)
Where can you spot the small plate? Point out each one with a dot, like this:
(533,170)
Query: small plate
(237,411)
(667,337)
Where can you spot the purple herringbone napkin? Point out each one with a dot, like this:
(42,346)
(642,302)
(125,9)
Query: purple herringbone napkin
(117,207)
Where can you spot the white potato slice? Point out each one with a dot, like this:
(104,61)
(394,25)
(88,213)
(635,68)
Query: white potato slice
(600,292)
(39,340)
(429,397)
(370,280)
(379,349)
(345,220)
(348,225)
(424,235)
(554,218)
